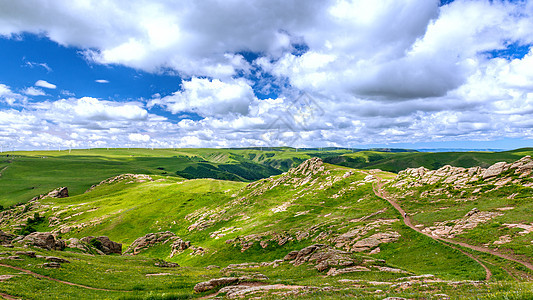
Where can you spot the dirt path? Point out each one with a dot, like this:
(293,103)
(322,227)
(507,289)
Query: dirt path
(378,190)
(57,280)
(380,193)
(8,297)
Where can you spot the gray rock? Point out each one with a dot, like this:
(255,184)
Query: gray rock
(291,255)
(26,253)
(45,240)
(166,264)
(52,265)
(105,244)
(495,170)
(56,259)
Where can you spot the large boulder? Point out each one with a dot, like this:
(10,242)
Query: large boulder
(60,192)
(495,170)
(45,240)
(104,244)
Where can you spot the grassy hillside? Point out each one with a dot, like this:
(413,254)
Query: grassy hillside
(24,175)
(395,162)
(228,223)
(244,228)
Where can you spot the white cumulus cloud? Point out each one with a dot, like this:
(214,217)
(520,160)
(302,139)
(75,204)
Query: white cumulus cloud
(45,84)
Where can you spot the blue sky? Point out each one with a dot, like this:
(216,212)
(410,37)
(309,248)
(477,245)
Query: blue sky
(413,74)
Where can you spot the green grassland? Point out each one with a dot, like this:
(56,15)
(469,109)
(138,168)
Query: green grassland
(25,175)
(251,212)
(397,161)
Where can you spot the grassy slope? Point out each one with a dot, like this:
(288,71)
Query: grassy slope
(130,210)
(31,173)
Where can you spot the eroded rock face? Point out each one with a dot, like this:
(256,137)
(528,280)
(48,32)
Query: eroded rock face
(105,244)
(213,283)
(45,240)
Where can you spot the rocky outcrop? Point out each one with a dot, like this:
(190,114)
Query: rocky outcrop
(60,192)
(83,246)
(322,256)
(302,175)
(45,240)
(130,178)
(178,245)
(104,244)
(460,177)
(158,238)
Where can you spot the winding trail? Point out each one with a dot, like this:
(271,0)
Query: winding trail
(378,190)
(58,280)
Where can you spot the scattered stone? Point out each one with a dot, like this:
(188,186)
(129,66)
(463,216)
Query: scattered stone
(527,228)
(389,269)
(425,276)
(56,259)
(14,257)
(449,229)
(214,283)
(211,267)
(335,272)
(166,264)
(240,291)
(52,265)
(375,240)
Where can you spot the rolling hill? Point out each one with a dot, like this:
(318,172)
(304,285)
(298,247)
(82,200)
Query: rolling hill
(317,230)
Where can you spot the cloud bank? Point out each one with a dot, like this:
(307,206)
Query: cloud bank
(372,72)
